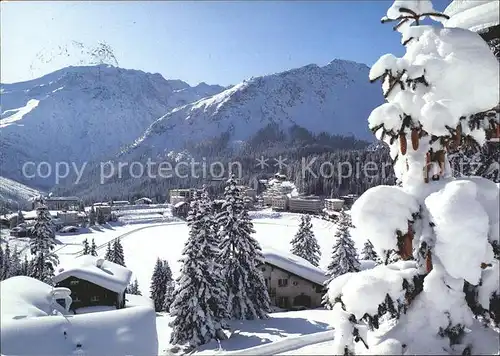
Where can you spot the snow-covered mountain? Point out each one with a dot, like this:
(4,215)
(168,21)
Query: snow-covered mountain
(82,114)
(336,98)
(14,195)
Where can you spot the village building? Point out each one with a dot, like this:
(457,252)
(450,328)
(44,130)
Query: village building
(334,204)
(293,283)
(349,200)
(60,203)
(119,203)
(310,204)
(104,209)
(94,281)
(143,200)
(181,195)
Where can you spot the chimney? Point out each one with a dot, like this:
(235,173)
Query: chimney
(99,262)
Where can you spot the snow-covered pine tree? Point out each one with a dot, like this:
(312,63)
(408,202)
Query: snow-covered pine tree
(441,93)
(158,286)
(6,263)
(198,307)
(1,262)
(26,267)
(344,254)
(86,248)
(240,255)
(92,216)
(169,296)
(100,217)
(93,248)
(368,253)
(15,263)
(304,244)
(109,255)
(133,288)
(118,256)
(42,245)
(20,217)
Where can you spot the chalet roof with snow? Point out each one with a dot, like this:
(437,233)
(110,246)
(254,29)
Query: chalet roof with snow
(294,264)
(107,274)
(473,15)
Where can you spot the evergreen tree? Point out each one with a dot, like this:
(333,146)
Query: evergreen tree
(6,263)
(26,267)
(15,263)
(344,255)
(368,253)
(42,245)
(20,217)
(118,256)
(241,254)
(198,306)
(169,296)
(133,288)
(86,248)
(100,217)
(92,216)
(161,278)
(109,256)
(304,244)
(1,262)
(93,248)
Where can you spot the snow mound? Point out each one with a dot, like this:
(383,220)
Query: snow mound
(382,211)
(26,297)
(109,275)
(460,221)
(294,264)
(111,333)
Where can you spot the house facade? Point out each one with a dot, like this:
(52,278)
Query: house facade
(334,204)
(293,283)
(94,281)
(312,205)
(181,195)
(62,203)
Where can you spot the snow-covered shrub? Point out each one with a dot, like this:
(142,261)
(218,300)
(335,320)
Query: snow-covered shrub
(440,95)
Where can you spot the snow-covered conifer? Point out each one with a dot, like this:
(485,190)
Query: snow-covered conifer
(93,248)
(1,262)
(109,255)
(86,248)
(6,263)
(344,254)
(42,245)
(15,263)
(240,254)
(133,288)
(304,244)
(441,94)
(158,287)
(92,216)
(198,306)
(100,217)
(368,253)
(118,256)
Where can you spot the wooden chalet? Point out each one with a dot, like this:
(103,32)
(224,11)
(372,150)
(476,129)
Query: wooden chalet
(94,281)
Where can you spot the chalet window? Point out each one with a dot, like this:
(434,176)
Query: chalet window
(319,289)
(74,283)
(94,298)
(295,283)
(75,298)
(283,302)
(263,269)
(272,292)
(282,282)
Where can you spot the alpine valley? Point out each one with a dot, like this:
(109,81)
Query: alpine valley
(99,113)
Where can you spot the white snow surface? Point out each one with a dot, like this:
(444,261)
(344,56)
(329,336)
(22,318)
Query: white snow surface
(474,15)
(294,264)
(110,275)
(461,224)
(380,212)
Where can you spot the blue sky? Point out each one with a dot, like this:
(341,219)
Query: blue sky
(220,42)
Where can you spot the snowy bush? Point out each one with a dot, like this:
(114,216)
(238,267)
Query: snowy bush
(441,94)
